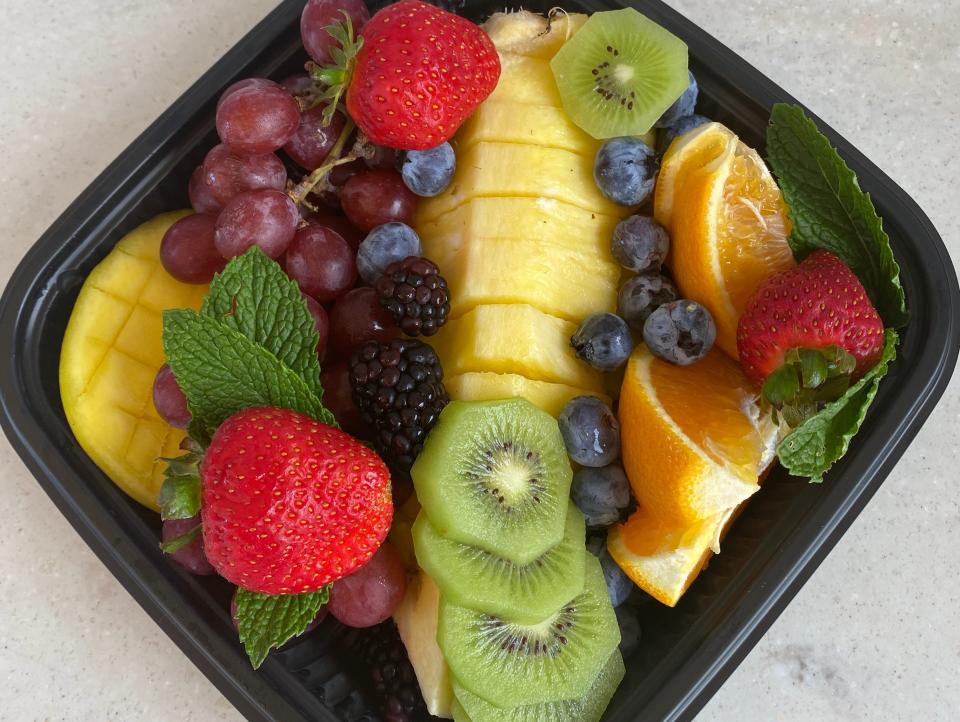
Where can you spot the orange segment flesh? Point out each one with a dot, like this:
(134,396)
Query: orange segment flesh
(727,220)
(691,446)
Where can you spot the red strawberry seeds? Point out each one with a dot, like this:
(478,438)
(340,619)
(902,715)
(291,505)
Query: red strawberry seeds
(420,73)
(290,504)
(819,303)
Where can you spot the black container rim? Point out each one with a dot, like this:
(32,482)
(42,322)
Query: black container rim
(745,622)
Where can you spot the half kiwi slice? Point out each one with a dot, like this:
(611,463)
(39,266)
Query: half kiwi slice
(510,664)
(471,577)
(589,708)
(620,73)
(495,475)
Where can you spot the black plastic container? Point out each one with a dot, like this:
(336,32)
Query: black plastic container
(687,652)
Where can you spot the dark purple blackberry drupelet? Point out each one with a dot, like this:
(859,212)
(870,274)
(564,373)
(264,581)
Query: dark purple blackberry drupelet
(415,293)
(398,387)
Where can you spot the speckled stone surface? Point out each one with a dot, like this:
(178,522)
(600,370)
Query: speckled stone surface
(872,636)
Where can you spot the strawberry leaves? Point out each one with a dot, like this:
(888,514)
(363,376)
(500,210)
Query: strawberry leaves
(335,78)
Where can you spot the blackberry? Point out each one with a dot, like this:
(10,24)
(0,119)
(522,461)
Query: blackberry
(380,651)
(398,387)
(415,293)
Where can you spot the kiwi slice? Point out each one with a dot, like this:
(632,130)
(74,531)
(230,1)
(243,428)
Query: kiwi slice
(589,708)
(458,712)
(495,475)
(527,593)
(510,665)
(620,73)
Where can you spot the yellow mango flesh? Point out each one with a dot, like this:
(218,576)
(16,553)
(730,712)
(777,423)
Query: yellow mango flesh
(111,351)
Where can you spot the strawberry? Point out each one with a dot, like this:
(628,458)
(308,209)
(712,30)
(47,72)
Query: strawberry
(290,504)
(420,73)
(809,331)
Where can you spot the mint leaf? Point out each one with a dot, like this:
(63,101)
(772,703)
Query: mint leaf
(254,296)
(812,448)
(222,372)
(830,211)
(179,496)
(177,543)
(266,621)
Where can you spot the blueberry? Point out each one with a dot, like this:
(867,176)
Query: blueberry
(625,170)
(640,295)
(384,245)
(619,584)
(603,340)
(601,494)
(590,431)
(429,172)
(681,127)
(640,244)
(629,629)
(680,332)
(682,107)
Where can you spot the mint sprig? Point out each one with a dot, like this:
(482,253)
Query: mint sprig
(265,621)
(814,446)
(222,372)
(829,210)
(255,297)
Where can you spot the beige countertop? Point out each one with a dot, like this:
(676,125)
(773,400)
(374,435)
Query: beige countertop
(872,636)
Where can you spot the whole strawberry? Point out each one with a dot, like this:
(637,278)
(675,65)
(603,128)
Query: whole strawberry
(807,332)
(290,504)
(420,73)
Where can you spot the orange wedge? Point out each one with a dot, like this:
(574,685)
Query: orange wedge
(694,440)
(661,559)
(727,220)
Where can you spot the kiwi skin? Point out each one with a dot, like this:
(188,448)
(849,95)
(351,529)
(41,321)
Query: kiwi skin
(589,708)
(495,475)
(620,73)
(471,577)
(513,665)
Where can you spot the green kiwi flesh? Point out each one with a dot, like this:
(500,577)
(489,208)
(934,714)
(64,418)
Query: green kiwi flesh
(589,708)
(620,73)
(458,712)
(511,665)
(526,593)
(495,475)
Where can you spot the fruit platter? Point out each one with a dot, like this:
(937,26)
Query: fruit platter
(437,361)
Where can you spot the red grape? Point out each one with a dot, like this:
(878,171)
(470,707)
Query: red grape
(372,593)
(338,397)
(321,615)
(191,557)
(298,83)
(226,174)
(265,218)
(169,399)
(245,83)
(318,14)
(352,235)
(342,173)
(322,320)
(376,197)
(311,144)
(383,158)
(357,316)
(201,195)
(321,262)
(257,119)
(188,252)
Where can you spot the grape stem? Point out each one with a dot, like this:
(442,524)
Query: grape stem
(306,186)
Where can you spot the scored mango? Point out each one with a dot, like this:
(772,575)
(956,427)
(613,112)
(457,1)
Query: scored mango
(111,351)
